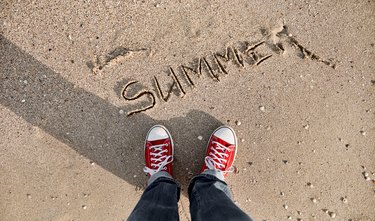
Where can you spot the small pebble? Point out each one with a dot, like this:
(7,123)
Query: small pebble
(306,126)
(285,206)
(282,193)
(200,138)
(23,100)
(289,217)
(332,215)
(84,207)
(310,185)
(363,132)
(28,196)
(25,81)
(92,162)
(242,140)
(365,174)
(299,212)
(238,123)
(262,108)
(314,200)
(344,200)
(138,188)
(121,111)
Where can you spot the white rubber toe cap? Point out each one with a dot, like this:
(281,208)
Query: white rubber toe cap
(157,133)
(226,134)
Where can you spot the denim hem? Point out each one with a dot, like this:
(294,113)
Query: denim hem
(203,175)
(215,173)
(164,179)
(156,176)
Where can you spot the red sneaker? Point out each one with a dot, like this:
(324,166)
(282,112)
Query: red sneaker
(158,150)
(221,150)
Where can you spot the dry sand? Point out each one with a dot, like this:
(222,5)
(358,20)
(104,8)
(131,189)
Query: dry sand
(68,150)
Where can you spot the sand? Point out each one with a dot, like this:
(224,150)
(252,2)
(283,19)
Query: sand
(82,82)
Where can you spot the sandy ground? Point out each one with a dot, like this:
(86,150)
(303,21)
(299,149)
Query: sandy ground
(298,87)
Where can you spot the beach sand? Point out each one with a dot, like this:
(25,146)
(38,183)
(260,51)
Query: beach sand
(295,79)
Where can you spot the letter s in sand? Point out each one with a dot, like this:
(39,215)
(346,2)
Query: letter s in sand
(137,96)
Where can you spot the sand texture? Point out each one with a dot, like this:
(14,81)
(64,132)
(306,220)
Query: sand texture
(82,81)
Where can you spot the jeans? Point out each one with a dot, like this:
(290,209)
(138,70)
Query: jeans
(210,199)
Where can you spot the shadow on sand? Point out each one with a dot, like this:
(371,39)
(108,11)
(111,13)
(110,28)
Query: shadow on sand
(92,126)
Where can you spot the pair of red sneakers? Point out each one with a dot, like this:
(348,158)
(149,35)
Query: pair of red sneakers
(220,153)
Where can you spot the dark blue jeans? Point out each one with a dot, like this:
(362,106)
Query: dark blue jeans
(210,199)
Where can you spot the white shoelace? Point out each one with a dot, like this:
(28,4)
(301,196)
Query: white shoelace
(158,161)
(219,157)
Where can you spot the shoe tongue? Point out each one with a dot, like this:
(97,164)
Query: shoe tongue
(161,141)
(218,147)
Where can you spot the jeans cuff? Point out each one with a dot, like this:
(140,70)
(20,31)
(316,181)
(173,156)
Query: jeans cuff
(214,173)
(157,175)
(214,177)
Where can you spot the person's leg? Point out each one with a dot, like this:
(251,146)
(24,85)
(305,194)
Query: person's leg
(159,201)
(210,197)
